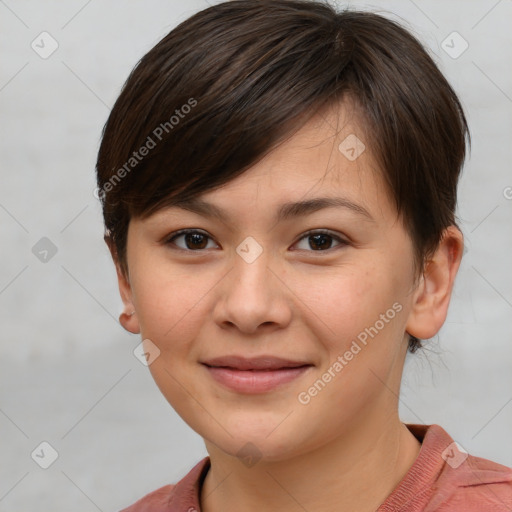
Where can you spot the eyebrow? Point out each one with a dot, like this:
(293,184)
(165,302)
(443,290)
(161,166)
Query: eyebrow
(285,211)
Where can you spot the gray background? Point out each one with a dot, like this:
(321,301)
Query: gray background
(68,373)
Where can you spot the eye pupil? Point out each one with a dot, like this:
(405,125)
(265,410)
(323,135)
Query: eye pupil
(197,241)
(196,238)
(319,238)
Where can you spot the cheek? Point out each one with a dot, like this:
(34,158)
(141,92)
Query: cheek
(347,301)
(365,320)
(171,304)
(362,314)
(171,310)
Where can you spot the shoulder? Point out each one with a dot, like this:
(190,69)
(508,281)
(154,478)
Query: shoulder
(477,484)
(182,496)
(155,501)
(446,478)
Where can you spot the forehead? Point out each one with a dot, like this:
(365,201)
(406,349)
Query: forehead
(325,162)
(329,155)
(331,145)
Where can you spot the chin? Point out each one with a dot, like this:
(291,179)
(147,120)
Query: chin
(252,446)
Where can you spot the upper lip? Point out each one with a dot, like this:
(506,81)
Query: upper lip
(254,363)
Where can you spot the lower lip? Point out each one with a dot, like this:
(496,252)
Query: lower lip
(255,381)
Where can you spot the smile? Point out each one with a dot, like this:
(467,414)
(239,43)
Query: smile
(257,375)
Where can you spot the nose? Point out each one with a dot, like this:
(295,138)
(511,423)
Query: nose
(254,296)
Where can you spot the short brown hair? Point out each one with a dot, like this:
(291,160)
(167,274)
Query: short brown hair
(226,85)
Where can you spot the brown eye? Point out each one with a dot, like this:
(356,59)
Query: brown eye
(197,241)
(320,241)
(193,240)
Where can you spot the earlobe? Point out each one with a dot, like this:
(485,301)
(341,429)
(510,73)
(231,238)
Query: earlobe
(128,318)
(433,293)
(129,322)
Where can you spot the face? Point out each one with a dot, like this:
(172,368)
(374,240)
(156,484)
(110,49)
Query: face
(326,288)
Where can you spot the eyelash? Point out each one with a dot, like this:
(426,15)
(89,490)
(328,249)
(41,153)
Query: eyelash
(170,240)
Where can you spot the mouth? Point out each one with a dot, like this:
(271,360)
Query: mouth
(255,375)
(261,363)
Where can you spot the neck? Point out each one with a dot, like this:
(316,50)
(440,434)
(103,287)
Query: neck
(356,471)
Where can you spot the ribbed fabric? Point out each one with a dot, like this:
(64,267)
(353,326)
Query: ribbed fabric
(442,479)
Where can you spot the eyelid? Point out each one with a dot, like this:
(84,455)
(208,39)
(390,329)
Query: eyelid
(322,231)
(342,241)
(168,239)
(319,231)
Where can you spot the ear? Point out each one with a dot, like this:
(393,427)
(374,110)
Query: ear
(128,318)
(434,290)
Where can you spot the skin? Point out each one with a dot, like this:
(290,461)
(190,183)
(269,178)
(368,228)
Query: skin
(346,449)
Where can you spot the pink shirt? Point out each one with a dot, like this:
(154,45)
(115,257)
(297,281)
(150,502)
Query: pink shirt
(442,478)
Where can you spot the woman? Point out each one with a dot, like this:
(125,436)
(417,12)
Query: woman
(279,186)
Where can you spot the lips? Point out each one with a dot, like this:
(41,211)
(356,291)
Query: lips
(262,363)
(255,375)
